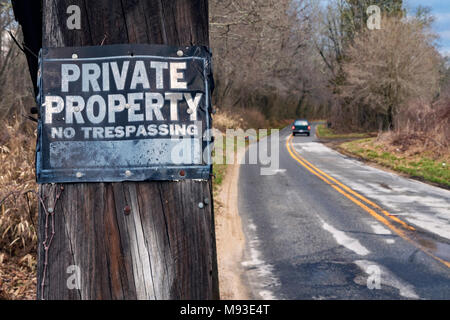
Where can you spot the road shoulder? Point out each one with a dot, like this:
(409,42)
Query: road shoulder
(230,238)
(415,164)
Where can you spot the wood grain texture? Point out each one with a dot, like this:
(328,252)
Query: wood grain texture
(165,247)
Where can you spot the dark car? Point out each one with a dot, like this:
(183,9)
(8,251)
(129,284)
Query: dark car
(301,127)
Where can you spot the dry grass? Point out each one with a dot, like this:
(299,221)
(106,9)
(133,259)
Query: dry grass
(239,118)
(422,127)
(424,165)
(17,277)
(419,147)
(18,212)
(326,133)
(18,206)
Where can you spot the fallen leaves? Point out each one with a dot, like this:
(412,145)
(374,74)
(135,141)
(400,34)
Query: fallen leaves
(17,277)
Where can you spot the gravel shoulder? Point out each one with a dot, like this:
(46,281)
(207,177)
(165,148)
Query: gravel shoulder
(230,239)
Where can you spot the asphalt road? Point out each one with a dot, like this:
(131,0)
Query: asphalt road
(324,226)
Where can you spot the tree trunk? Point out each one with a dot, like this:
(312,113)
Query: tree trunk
(147,240)
(390,117)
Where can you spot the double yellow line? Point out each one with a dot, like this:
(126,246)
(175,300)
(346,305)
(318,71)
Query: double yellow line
(403,229)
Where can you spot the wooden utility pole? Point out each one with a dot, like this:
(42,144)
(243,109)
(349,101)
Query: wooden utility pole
(146,240)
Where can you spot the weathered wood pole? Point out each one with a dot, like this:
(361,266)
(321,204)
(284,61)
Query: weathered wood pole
(147,240)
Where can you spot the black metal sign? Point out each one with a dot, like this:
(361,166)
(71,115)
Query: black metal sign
(124,112)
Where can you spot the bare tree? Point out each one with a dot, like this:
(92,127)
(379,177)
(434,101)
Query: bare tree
(390,67)
(15,86)
(264,56)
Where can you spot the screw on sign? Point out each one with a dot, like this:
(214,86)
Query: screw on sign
(127,210)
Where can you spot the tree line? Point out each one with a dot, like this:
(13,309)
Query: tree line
(320,60)
(289,59)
